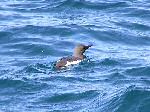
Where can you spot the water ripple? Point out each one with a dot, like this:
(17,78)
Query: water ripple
(34,34)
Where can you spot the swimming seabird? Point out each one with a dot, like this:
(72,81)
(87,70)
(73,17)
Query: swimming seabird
(77,57)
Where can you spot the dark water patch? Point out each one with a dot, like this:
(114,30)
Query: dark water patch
(105,103)
(44,30)
(134,26)
(91,5)
(12,52)
(47,6)
(129,80)
(139,71)
(146,81)
(24,5)
(144,107)
(121,101)
(21,6)
(62,45)
(15,41)
(12,17)
(116,76)
(5,37)
(20,87)
(32,49)
(69,97)
(9,83)
(137,12)
(38,6)
(67,5)
(109,62)
(119,37)
(135,100)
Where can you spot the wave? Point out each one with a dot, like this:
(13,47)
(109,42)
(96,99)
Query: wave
(46,6)
(135,100)
(69,97)
(71,30)
(5,36)
(121,101)
(138,71)
(23,85)
(110,62)
(18,42)
(38,68)
(135,26)
(43,30)
(135,12)
(135,36)
(120,37)
(91,5)
(36,33)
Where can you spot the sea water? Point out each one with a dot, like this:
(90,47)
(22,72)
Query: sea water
(115,77)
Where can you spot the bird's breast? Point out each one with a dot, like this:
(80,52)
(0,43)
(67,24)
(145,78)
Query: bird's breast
(72,62)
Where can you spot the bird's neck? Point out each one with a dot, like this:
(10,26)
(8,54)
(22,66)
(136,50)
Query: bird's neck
(81,56)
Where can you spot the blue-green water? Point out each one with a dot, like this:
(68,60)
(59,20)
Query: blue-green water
(34,34)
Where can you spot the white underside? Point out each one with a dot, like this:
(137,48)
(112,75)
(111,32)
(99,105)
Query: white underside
(73,62)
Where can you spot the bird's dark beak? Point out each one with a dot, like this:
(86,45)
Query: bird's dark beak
(86,47)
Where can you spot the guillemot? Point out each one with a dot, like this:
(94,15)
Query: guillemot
(76,58)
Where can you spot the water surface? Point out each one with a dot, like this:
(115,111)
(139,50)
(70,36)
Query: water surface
(115,77)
